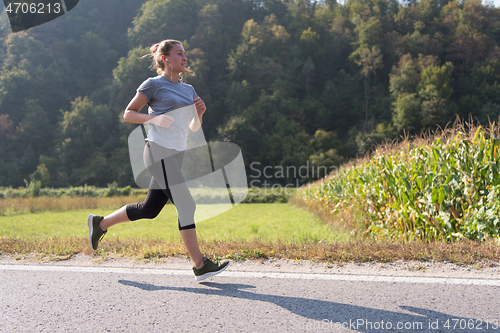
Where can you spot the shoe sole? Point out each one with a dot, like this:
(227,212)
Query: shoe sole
(209,274)
(91,229)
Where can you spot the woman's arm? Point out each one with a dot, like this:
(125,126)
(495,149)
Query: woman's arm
(200,110)
(133,113)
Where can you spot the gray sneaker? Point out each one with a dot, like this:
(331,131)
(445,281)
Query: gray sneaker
(96,234)
(210,268)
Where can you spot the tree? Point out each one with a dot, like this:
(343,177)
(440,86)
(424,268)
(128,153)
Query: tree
(406,112)
(127,76)
(176,18)
(307,71)
(257,59)
(91,60)
(240,131)
(405,77)
(342,96)
(84,139)
(325,158)
(370,60)
(288,145)
(259,43)
(435,90)
(421,92)
(42,175)
(479,92)
(35,129)
(469,46)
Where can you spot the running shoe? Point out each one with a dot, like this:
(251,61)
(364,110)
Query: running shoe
(210,268)
(96,234)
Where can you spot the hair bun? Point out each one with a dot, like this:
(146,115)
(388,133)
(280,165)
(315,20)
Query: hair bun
(154,48)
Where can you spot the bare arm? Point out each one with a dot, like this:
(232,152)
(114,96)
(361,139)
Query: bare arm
(200,110)
(133,113)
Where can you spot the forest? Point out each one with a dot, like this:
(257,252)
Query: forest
(293,82)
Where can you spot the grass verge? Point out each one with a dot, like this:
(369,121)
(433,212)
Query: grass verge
(463,252)
(248,231)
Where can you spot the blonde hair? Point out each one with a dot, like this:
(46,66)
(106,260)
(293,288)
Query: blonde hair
(160,49)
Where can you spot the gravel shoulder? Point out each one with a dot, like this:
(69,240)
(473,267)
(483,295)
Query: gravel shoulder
(480,270)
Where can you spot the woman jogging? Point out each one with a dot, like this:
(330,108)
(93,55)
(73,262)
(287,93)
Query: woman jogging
(163,153)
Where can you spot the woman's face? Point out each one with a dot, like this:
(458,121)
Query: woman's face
(177,58)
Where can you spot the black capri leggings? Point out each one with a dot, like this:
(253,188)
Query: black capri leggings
(165,166)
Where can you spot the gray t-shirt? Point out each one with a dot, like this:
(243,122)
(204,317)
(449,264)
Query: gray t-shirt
(175,98)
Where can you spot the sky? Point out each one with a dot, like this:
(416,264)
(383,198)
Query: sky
(496,3)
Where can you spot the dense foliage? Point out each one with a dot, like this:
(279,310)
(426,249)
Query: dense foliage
(293,82)
(34,190)
(448,189)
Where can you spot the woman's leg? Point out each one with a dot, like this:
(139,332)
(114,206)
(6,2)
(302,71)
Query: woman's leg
(185,206)
(148,209)
(166,165)
(116,217)
(191,242)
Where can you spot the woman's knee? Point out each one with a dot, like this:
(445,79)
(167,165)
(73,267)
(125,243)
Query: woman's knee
(140,211)
(151,214)
(152,209)
(188,207)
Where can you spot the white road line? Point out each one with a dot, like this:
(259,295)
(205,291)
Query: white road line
(331,277)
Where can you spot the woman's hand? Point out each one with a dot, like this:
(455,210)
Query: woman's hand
(161,120)
(199,105)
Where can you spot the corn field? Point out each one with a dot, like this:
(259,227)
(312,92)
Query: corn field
(443,190)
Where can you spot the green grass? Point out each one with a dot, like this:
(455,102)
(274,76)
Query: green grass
(245,222)
(249,231)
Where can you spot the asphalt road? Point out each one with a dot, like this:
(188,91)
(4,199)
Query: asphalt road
(51,298)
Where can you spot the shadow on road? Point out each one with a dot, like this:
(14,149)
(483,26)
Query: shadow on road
(331,315)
